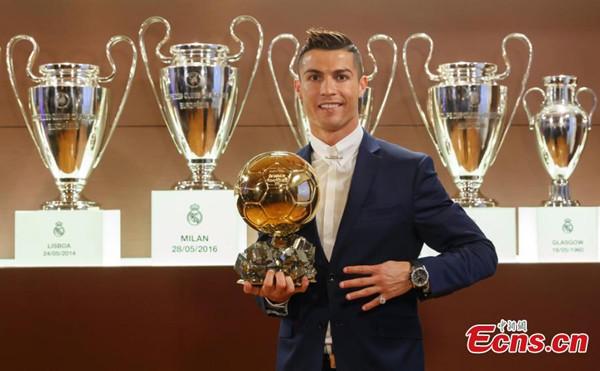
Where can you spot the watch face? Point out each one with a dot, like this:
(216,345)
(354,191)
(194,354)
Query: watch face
(419,277)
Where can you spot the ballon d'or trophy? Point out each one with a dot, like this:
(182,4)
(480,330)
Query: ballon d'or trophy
(466,120)
(197,98)
(67,118)
(277,192)
(301,129)
(561,128)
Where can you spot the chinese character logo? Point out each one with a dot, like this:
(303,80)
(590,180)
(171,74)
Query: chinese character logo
(567,226)
(59,230)
(194,217)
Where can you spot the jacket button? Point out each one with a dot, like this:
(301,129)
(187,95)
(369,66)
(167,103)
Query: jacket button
(331,278)
(323,324)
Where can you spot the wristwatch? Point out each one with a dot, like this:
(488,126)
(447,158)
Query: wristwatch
(419,275)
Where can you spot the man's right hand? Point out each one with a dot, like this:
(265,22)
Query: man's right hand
(277,287)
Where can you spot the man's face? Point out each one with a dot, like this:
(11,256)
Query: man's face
(329,87)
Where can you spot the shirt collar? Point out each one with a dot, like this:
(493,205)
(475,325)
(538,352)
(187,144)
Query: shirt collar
(343,150)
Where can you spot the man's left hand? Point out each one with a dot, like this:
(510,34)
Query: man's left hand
(389,279)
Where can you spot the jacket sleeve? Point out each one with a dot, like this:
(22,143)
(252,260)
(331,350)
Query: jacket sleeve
(466,255)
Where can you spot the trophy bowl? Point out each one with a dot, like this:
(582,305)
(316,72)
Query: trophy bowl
(277,193)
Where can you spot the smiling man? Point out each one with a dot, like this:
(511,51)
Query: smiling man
(380,203)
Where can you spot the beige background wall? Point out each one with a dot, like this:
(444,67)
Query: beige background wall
(141,156)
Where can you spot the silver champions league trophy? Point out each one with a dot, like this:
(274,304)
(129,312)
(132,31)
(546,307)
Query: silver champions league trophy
(561,128)
(67,117)
(197,98)
(466,116)
(301,130)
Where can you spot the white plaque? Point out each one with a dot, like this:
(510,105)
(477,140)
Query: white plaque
(67,238)
(499,226)
(567,234)
(196,228)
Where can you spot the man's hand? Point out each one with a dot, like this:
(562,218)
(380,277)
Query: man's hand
(389,279)
(277,287)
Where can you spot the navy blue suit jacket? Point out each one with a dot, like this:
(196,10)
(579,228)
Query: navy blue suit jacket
(395,204)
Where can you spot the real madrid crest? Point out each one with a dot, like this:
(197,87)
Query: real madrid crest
(194,217)
(59,230)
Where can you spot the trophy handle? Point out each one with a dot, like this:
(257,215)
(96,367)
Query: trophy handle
(503,75)
(593,107)
(286,36)
(112,42)
(163,59)
(237,57)
(530,117)
(431,76)
(13,82)
(370,77)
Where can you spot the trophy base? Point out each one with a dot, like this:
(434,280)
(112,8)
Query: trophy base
(292,255)
(70,205)
(478,201)
(195,185)
(560,203)
(257,284)
(560,195)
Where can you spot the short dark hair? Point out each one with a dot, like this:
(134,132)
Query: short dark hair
(320,38)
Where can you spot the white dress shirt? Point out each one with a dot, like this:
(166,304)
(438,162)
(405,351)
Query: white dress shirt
(334,166)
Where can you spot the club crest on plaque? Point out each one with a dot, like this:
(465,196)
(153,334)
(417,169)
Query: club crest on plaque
(194,217)
(59,230)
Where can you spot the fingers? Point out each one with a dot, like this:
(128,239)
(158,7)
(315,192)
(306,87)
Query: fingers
(372,304)
(357,282)
(368,291)
(249,289)
(361,269)
(304,285)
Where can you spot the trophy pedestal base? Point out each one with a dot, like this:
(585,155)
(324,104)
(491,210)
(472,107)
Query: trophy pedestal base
(477,201)
(560,203)
(196,228)
(560,195)
(195,185)
(548,234)
(68,238)
(241,282)
(70,205)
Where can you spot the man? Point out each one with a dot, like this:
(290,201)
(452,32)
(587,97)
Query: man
(380,202)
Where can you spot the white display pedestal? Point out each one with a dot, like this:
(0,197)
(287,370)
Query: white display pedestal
(46,238)
(558,234)
(499,226)
(196,228)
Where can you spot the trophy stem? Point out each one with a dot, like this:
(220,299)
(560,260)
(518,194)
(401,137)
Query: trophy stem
(70,196)
(560,194)
(470,196)
(202,177)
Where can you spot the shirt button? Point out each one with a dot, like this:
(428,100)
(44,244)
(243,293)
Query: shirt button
(331,278)
(323,324)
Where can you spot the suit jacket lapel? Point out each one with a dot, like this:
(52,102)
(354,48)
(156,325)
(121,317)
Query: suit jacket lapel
(367,165)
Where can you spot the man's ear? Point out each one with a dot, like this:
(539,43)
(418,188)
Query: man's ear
(297,88)
(363,82)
